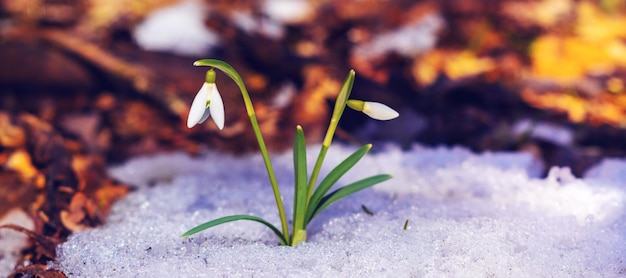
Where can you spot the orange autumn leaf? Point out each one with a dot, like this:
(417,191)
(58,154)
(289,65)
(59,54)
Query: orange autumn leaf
(568,58)
(455,64)
(74,217)
(595,25)
(596,47)
(604,109)
(20,162)
(106,195)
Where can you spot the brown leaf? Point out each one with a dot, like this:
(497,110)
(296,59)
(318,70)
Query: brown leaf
(11,135)
(107,194)
(38,271)
(45,245)
(19,161)
(76,216)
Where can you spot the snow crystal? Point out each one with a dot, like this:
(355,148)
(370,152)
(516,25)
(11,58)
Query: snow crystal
(468,215)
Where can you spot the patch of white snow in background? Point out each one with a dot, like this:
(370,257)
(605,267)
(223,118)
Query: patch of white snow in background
(284,96)
(263,26)
(408,40)
(178,29)
(468,216)
(287,11)
(553,133)
(12,241)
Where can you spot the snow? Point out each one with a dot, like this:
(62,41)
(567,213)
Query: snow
(257,25)
(288,11)
(179,29)
(469,215)
(549,132)
(408,40)
(11,241)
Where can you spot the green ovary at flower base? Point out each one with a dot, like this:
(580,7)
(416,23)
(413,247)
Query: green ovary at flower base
(310,198)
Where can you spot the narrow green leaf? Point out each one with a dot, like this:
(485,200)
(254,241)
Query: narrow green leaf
(348,190)
(344,94)
(316,171)
(340,105)
(226,219)
(300,172)
(332,178)
(298,237)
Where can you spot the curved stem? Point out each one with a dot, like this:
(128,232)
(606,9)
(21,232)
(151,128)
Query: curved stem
(230,71)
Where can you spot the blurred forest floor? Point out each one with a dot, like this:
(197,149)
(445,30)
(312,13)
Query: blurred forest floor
(78,93)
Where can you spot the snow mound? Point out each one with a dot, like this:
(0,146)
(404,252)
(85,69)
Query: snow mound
(468,215)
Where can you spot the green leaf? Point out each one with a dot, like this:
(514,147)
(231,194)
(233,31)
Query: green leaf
(298,237)
(340,105)
(344,94)
(332,178)
(226,219)
(348,190)
(300,172)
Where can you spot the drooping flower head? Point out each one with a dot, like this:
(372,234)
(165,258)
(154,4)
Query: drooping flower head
(375,110)
(207,101)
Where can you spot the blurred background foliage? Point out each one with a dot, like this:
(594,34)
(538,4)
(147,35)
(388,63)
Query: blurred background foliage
(460,72)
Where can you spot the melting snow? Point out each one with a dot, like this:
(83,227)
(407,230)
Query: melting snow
(468,215)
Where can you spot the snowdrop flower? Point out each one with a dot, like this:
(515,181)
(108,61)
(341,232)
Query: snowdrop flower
(375,110)
(208,101)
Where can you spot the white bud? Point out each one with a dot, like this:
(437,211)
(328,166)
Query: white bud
(379,111)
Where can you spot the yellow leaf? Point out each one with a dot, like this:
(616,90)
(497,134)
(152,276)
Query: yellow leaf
(454,64)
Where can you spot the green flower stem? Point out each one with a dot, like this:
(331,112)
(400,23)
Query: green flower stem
(340,105)
(230,71)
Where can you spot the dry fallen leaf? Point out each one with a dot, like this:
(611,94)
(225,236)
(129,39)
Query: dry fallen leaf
(604,109)
(596,47)
(19,161)
(38,271)
(568,58)
(596,25)
(454,64)
(80,211)
(46,245)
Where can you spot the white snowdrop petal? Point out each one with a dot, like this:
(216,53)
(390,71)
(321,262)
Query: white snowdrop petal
(198,107)
(379,111)
(205,116)
(217,107)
